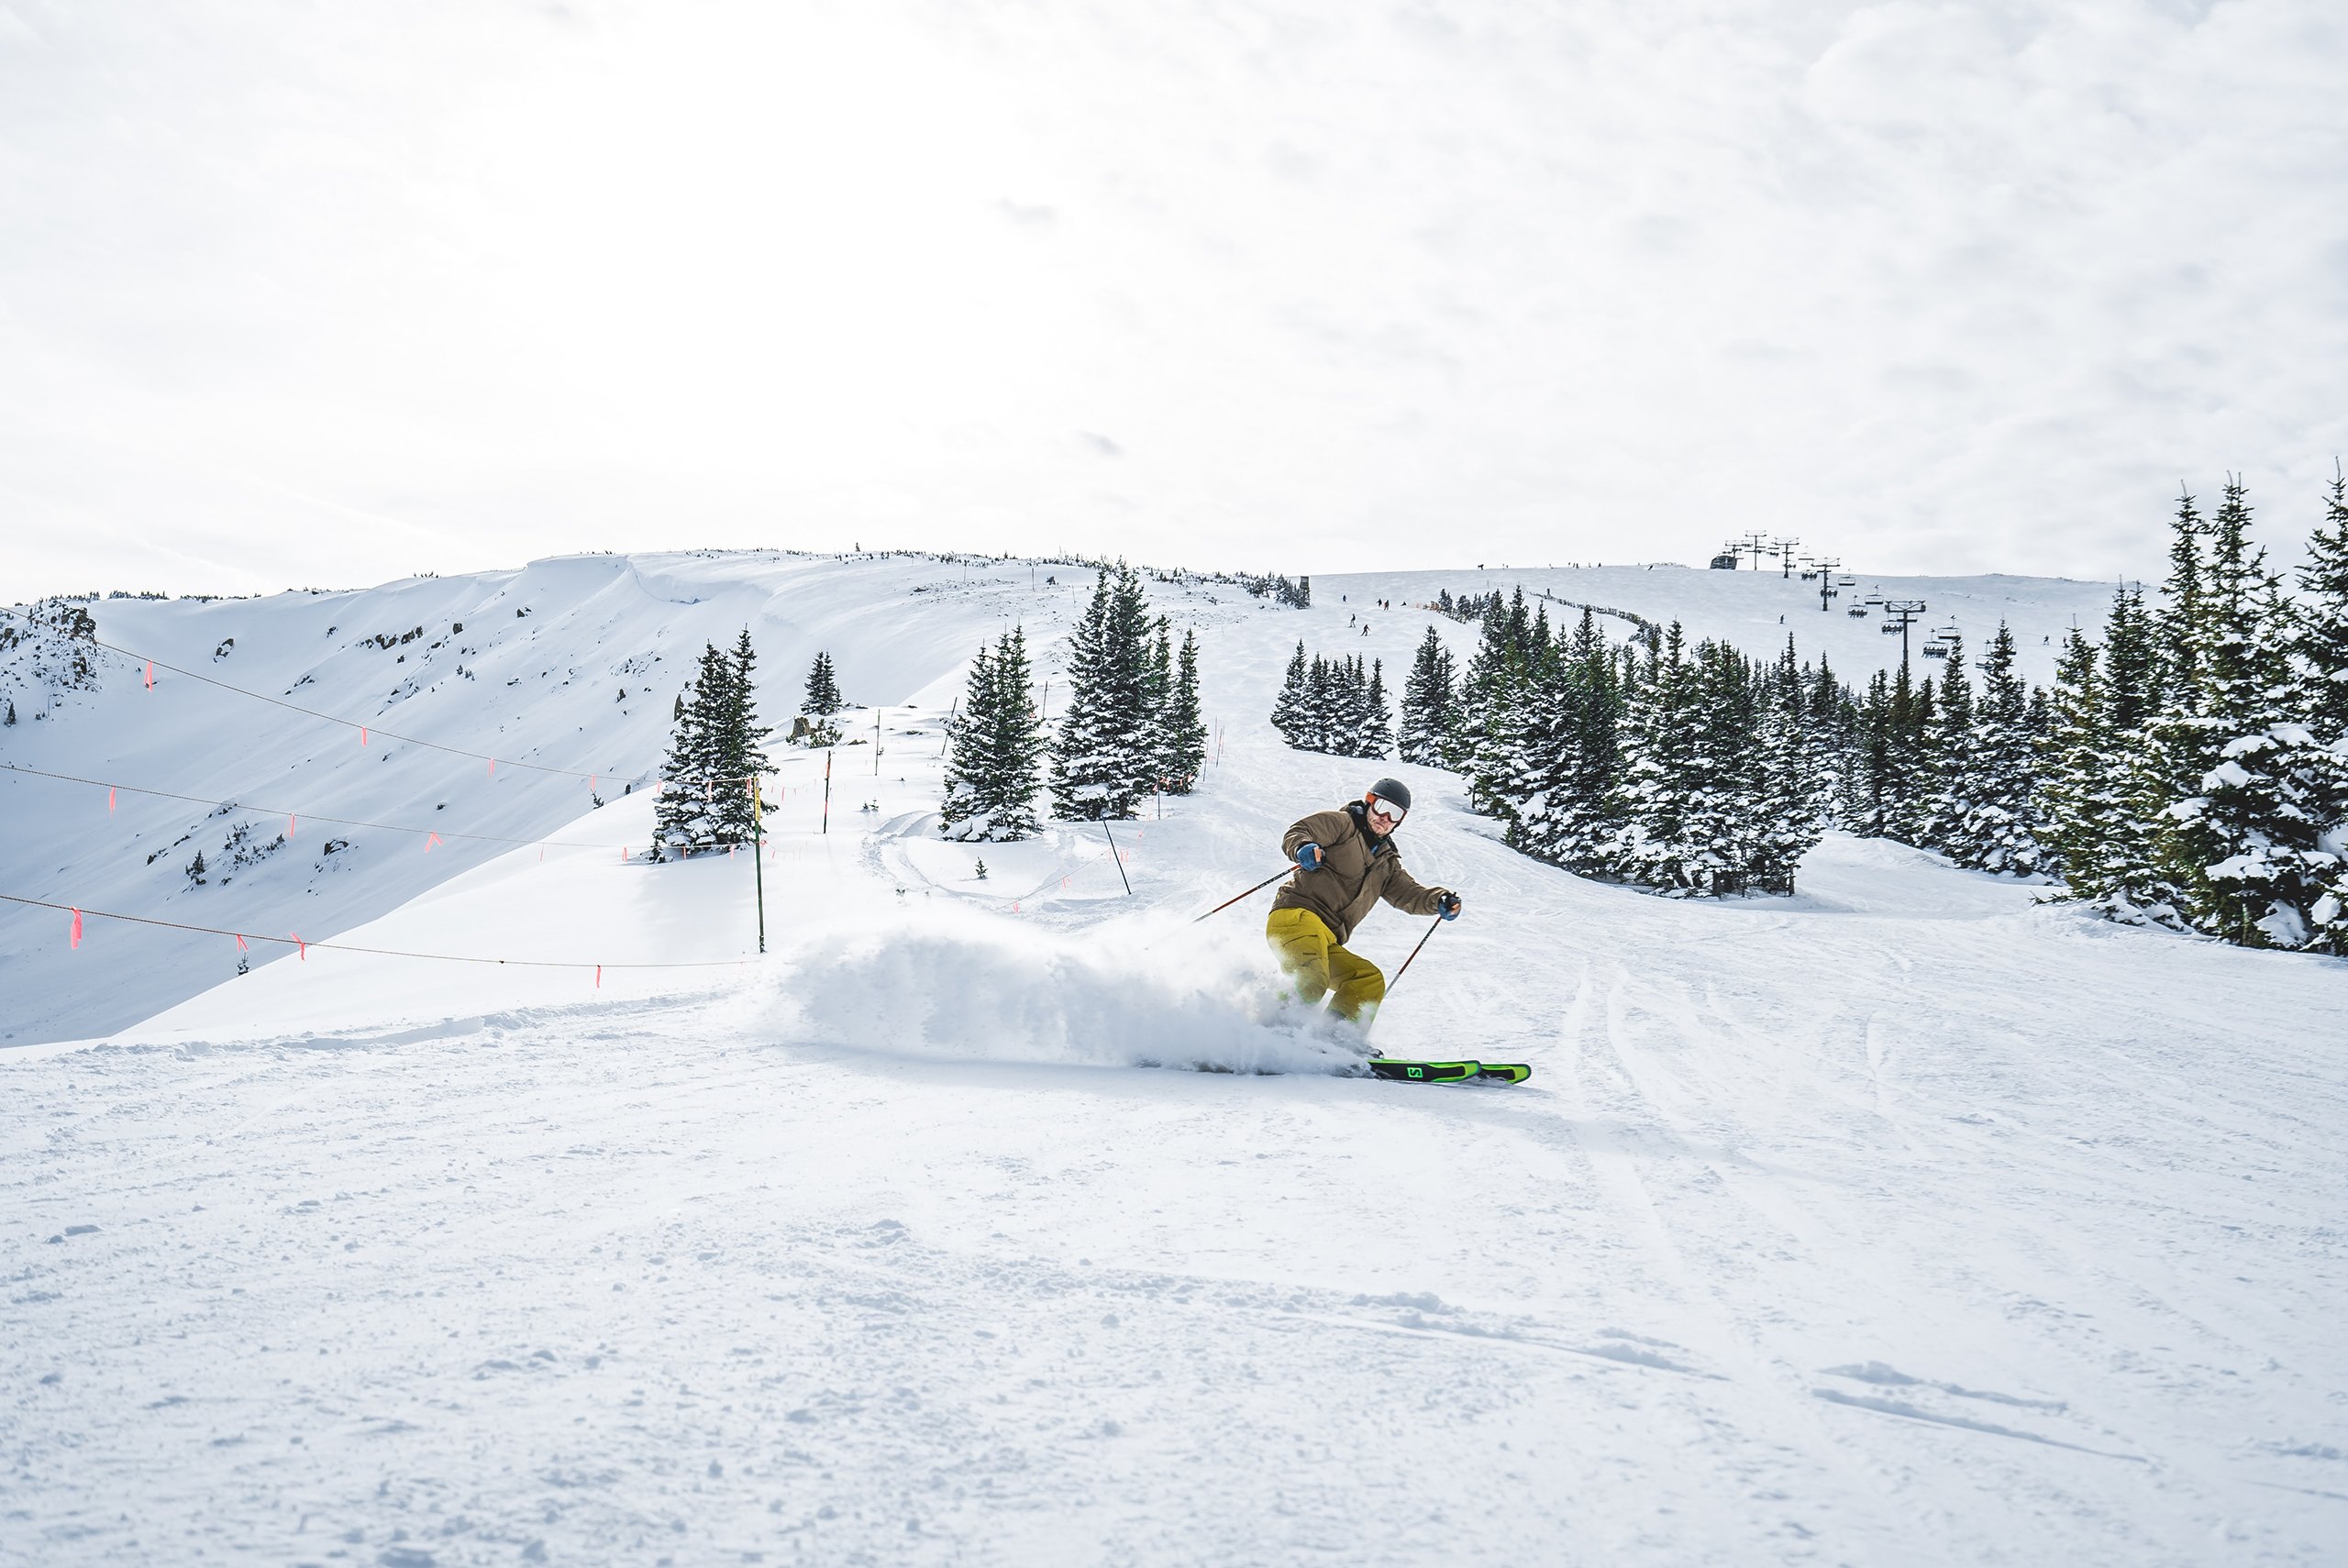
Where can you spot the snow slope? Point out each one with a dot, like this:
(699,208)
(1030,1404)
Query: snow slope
(573,662)
(1904,1221)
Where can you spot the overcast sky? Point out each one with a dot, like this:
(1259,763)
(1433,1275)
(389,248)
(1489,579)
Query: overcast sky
(328,293)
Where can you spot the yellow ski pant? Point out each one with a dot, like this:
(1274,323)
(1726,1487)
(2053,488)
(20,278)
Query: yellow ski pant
(1310,955)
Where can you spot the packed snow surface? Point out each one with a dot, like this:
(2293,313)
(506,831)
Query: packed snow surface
(1905,1220)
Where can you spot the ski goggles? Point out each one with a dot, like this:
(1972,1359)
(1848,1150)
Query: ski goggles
(1379,806)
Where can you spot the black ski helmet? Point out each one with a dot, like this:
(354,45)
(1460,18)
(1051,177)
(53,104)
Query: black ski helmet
(1392,789)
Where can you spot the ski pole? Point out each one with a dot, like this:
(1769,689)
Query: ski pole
(1414,953)
(1236,897)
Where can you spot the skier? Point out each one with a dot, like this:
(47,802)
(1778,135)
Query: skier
(1346,862)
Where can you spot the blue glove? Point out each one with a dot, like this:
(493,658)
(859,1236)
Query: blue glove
(1309,856)
(1447,904)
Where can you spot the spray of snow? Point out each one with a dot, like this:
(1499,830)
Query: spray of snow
(965,986)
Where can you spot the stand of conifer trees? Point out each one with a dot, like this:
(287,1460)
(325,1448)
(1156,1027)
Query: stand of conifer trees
(1337,706)
(1133,725)
(2196,760)
(713,755)
(2191,770)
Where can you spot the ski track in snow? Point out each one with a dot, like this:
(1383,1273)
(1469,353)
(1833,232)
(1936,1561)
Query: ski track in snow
(1902,1221)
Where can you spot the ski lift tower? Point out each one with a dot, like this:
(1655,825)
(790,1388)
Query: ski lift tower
(1827,567)
(1785,553)
(1899,615)
(1757,543)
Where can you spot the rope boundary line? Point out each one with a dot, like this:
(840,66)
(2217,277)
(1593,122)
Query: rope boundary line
(378,952)
(322,817)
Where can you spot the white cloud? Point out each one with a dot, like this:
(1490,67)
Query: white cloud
(1935,286)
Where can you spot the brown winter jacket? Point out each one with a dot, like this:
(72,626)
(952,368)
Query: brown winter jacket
(1356,870)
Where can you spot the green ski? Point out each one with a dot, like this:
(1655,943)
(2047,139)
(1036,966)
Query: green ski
(1446,1072)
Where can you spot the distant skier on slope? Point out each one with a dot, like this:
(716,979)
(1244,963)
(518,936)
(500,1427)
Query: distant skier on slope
(1346,862)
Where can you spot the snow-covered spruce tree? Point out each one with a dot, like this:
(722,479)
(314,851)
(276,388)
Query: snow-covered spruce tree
(1429,708)
(2127,881)
(685,817)
(1182,729)
(821,702)
(2241,849)
(1955,785)
(1490,710)
(1727,821)
(737,746)
(1377,719)
(823,688)
(1663,779)
(1318,720)
(1157,696)
(1288,708)
(1999,831)
(1103,762)
(1586,823)
(995,749)
(2322,641)
(1788,796)
(1865,807)
(2078,794)
(2322,703)
(1915,764)
(1831,718)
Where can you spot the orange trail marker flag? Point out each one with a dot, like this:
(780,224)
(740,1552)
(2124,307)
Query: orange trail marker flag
(77,929)
(429,840)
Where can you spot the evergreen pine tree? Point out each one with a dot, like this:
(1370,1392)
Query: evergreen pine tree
(2080,798)
(1489,711)
(685,817)
(1955,785)
(1377,719)
(822,701)
(2240,848)
(1662,779)
(1288,708)
(994,749)
(739,753)
(1158,697)
(2323,705)
(1789,815)
(823,691)
(1105,760)
(2322,622)
(1183,734)
(2000,831)
(1914,772)
(1429,705)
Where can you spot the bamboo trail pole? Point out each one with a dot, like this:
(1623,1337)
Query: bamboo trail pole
(827,790)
